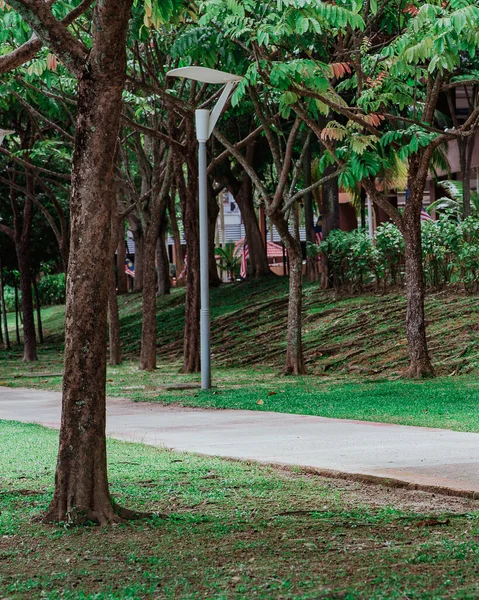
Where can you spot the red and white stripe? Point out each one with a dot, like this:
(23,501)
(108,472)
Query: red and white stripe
(244,258)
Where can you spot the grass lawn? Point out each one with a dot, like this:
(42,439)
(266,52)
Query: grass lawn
(355,349)
(228,530)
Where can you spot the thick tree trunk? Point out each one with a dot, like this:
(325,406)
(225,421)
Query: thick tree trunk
(81,484)
(162,259)
(29,339)
(121,276)
(39,312)
(148,312)
(294,362)
(258,260)
(6,339)
(114,320)
(420,364)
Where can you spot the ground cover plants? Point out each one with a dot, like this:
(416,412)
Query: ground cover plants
(225,529)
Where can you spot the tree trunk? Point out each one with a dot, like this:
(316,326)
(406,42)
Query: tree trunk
(17,309)
(81,484)
(122,283)
(190,209)
(294,362)
(29,338)
(6,340)
(213,210)
(311,261)
(178,250)
(330,217)
(258,259)
(114,320)
(139,238)
(162,259)
(420,364)
(39,312)
(148,312)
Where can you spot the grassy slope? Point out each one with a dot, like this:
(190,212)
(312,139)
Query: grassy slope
(228,531)
(355,349)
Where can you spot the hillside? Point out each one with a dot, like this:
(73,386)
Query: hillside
(361,334)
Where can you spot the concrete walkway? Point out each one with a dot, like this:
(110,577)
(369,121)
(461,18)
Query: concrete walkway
(418,455)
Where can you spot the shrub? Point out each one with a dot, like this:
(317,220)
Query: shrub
(51,289)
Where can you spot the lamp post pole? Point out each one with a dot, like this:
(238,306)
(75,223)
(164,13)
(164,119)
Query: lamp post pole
(205,123)
(202,123)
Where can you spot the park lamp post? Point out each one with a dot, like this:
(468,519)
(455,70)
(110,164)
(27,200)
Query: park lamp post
(205,123)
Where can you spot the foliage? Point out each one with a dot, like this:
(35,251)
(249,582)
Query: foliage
(352,259)
(454,201)
(390,253)
(229,260)
(51,289)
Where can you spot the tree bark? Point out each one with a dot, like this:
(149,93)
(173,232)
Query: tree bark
(162,259)
(420,364)
(6,340)
(39,312)
(81,484)
(258,259)
(294,361)
(179,262)
(29,338)
(17,309)
(148,312)
(189,207)
(114,320)
(311,261)
(330,218)
(122,283)
(138,237)
(213,210)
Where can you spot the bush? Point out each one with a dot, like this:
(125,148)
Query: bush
(390,254)
(51,289)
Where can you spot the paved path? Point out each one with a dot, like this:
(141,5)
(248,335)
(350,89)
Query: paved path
(419,455)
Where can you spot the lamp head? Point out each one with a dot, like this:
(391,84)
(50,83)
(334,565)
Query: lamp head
(204,75)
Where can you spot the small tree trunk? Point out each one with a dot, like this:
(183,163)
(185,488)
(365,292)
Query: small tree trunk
(311,261)
(162,259)
(139,259)
(39,311)
(114,320)
(17,309)
(6,340)
(258,259)
(122,283)
(178,250)
(294,362)
(29,338)
(213,211)
(148,313)
(420,364)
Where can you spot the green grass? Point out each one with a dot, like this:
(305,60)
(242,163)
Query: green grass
(228,530)
(355,349)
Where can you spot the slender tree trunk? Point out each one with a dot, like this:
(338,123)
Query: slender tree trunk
(179,263)
(294,362)
(122,283)
(330,214)
(29,338)
(420,364)
(162,259)
(213,210)
(311,261)
(39,311)
(258,259)
(6,340)
(17,308)
(138,236)
(114,320)
(81,484)
(189,206)
(148,313)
